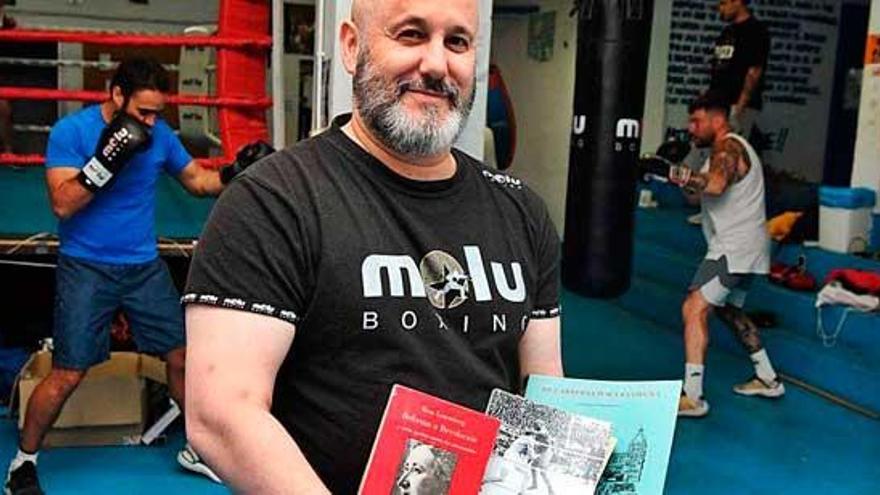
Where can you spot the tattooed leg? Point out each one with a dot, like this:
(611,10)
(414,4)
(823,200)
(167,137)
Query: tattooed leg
(746,331)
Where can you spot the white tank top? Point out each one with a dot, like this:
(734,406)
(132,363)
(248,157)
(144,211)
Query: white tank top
(735,222)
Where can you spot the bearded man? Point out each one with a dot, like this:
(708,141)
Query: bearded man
(371,254)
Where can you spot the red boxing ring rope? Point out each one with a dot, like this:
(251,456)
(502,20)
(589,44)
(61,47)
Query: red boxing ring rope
(241,42)
(16,93)
(123,39)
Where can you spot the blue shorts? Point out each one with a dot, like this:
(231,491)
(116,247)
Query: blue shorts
(88,294)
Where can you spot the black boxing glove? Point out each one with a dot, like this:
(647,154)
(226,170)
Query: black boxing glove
(120,140)
(656,167)
(246,156)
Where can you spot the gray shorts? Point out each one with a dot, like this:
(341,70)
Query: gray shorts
(715,282)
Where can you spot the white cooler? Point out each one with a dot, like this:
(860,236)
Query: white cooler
(845,218)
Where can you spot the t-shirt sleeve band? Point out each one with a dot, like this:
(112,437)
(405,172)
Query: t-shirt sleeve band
(545,313)
(240,304)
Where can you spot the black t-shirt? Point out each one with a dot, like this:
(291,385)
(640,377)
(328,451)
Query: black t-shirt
(739,47)
(387,280)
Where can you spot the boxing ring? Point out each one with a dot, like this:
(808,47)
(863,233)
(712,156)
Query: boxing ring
(240,102)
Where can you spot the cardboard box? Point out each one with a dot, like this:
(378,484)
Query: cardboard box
(108,408)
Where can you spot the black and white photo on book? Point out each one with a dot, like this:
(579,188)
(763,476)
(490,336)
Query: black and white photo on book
(542,450)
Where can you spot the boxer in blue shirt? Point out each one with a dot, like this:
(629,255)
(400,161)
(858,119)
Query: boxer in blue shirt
(102,165)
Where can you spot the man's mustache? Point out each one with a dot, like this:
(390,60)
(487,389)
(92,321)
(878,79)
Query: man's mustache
(433,85)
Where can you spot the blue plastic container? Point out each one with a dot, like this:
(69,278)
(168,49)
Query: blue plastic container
(849,198)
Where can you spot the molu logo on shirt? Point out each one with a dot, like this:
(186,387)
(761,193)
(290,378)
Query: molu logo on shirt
(441,278)
(724,52)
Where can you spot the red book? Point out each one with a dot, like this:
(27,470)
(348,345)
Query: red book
(428,445)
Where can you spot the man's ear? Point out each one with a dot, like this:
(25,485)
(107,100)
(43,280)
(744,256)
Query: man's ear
(117,96)
(349,38)
(718,119)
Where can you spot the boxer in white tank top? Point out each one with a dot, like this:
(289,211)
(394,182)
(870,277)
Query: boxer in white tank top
(731,186)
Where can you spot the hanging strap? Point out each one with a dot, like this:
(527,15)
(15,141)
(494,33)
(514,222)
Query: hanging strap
(830,339)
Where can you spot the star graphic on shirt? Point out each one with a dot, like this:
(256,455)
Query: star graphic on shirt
(453,287)
(445,280)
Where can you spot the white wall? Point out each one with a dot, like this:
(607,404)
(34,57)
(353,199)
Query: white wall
(542,94)
(653,122)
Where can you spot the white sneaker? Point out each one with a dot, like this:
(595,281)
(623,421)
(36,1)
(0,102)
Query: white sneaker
(191,461)
(691,408)
(695,219)
(758,387)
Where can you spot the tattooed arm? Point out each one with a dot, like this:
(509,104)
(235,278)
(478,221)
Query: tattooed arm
(728,164)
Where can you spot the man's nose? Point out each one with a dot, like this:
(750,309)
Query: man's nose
(434,60)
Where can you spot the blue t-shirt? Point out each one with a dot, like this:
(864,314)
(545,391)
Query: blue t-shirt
(118,225)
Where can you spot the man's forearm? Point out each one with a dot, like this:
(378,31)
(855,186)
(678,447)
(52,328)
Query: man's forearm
(69,197)
(252,452)
(753,76)
(207,183)
(540,349)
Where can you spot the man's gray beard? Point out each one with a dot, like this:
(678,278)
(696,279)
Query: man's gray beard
(378,103)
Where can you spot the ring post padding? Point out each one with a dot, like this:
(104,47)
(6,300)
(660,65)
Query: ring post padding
(242,74)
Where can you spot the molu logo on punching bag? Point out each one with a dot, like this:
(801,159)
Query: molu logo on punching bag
(578,128)
(626,136)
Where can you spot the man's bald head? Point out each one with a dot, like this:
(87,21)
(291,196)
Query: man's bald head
(364,10)
(357,12)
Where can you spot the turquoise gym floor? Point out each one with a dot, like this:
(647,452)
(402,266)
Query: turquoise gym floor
(800,444)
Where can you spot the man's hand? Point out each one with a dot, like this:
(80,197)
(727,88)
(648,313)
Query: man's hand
(246,156)
(653,166)
(120,140)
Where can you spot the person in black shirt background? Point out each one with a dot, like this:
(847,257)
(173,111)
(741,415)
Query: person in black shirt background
(739,62)
(371,254)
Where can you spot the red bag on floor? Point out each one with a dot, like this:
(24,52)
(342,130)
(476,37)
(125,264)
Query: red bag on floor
(858,281)
(793,277)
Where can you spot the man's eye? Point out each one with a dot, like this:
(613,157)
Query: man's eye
(410,35)
(458,43)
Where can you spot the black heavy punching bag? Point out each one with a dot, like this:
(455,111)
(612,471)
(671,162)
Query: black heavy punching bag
(609,95)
